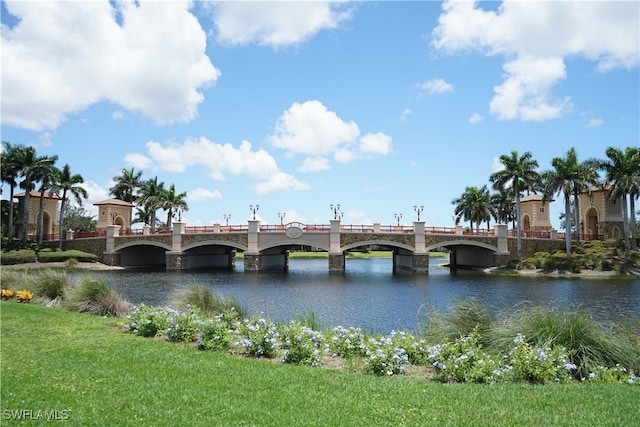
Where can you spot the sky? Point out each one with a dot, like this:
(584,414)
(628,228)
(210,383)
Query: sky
(295,106)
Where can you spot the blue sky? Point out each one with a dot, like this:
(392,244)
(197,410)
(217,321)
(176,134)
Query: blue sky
(377,106)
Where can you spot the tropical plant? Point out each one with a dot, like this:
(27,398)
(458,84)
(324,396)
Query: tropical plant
(474,205)
(10,172)
(519,173)
(568,177)
(126,186)
(95,295)
(45,174)
(68,184)
(151,198)
(502,205)
(622,176)
(171,202)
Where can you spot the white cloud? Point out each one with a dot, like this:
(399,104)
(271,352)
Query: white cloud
(535,38)
(378,143)
(137,160)
(436,86)
(497,165)
(275,24)
(48,74)
(45,139)
(96,193)
(117,115)
(475,118)
(406,114)
(218,160)
(357,217)
(314,164)
(292,215)
(311,129)
(595,122)
(203,194)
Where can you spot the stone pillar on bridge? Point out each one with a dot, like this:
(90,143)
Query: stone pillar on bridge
(252,256)
(420,255)
(501,257)
(175,258)
(110,257)
(146,230)
(336,256)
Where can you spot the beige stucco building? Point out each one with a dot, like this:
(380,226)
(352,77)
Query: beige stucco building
(600,215)
(534,214)
(49,218)
(114,212)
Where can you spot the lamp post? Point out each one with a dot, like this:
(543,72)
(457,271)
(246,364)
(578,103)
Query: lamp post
(418,209)
(254,209)
(281,216)
(179,215)
(336,211)
(227,217)
(398,217)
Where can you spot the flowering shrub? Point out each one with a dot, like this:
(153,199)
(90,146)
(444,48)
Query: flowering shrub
(385,358)
(148,321)
(616,374)
(258,337)
(24,296)
(540,365)
(347,342)
(464,361)
(216,333)
(303,345)
(184,326)
(7,294)
(417,350)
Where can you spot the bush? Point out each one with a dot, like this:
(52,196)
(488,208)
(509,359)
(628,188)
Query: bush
(218,333)
(21,256)
(96,296)
(62,256)
(302,345)
(347,342)
(148,321)
(184,326)
(258,337)
(385,358)
(540,364)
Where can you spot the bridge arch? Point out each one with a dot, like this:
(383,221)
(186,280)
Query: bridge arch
(215,243)
(462,243)
(297,242)
(390,243)
(142,243)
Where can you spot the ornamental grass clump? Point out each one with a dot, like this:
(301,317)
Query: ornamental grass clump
(258,337)
(302,345)
(203,298)
(94,295)
(48,284)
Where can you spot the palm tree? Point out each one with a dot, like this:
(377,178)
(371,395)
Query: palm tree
(474,205)
(520,174)
(68,183)
(30,168)
(126,187)
(502,204)
(562,179)
(45,174)
(151,198)
(621,170)
(170,201)
(10,172)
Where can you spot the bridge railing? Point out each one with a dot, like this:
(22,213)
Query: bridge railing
(440,230)
(201,229)
(478,232)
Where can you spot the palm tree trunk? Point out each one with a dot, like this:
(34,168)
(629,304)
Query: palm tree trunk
(576,207)
(41,217)
(61,220)
(634,238)
(567,225)
(25,212)
(10,227)
(518,237)
(625,227)
(169,215)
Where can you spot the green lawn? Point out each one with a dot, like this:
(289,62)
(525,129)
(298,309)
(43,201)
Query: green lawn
(53,359)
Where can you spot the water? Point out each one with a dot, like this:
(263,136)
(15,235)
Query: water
(370,296)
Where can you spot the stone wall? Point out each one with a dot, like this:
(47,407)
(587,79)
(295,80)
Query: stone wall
(351,238)
(94,246)
(239,239)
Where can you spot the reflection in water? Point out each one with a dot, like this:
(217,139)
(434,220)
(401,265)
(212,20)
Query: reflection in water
(370,296)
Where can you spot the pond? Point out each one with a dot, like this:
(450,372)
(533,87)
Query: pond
(369,295)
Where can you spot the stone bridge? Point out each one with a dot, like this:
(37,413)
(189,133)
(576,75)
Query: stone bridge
(267,247)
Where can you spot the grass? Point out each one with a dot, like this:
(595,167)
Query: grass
(203,298)
(95,295)
(59,360)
